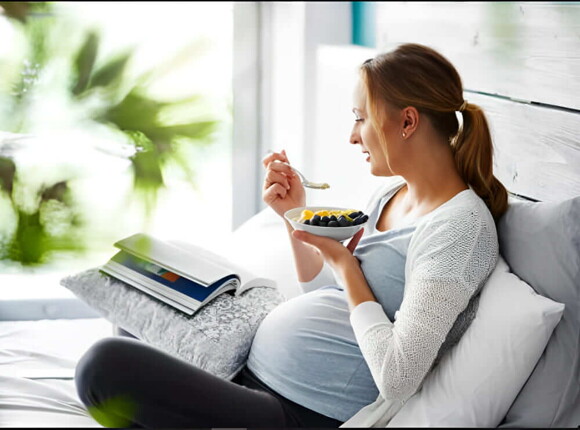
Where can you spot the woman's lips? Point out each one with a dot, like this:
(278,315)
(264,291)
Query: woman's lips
(368,156)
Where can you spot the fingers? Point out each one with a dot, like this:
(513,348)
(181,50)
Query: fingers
(306,237)
(332,250)
(353,242)
(281,169)
(274,177)
(277,171)
(273,156)
(274,192)
(337,255)
(325,244)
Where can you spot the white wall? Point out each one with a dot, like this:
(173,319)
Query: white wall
(334,159)
(281,71)
(312,74)
(246,76)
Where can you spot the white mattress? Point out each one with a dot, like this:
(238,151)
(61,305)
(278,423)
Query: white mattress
(37,362)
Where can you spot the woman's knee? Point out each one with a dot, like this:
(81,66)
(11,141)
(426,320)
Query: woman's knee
(99,365)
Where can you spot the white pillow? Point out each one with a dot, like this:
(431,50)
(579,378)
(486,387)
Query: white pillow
(475,384)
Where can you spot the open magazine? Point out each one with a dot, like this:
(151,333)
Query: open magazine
(186,279)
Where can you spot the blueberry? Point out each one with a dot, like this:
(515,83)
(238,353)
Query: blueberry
(307,222)
(325,219)
(322,224)
(360,220)
(333,218)
(343,222)
(333,224)
(314,220)
(353,215)
(316,217)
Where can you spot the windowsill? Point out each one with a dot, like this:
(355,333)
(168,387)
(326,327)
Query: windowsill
(43,282)
(34,286)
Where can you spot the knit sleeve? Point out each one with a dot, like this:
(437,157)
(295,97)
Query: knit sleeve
(448,260)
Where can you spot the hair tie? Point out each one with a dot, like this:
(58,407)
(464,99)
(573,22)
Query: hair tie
(463,106)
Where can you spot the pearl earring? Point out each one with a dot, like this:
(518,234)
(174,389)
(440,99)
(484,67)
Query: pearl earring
(404,134)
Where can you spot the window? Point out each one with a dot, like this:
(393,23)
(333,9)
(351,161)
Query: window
(75,76)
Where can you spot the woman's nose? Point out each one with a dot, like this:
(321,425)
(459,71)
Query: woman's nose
(354,136)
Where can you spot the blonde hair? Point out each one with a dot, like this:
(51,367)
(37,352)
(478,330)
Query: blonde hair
(416,75)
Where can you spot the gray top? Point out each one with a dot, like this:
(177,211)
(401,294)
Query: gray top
(306,350)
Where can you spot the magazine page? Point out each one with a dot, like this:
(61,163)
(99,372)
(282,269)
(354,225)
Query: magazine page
(129,279)
(198,265)
(256,282)
(247,278)
(189,291)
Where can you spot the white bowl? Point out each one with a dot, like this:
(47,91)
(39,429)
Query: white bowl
(338,233)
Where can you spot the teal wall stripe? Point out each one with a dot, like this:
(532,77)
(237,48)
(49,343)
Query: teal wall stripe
(364,23)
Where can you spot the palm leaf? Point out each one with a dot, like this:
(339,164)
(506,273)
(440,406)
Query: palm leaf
(29,241)
(7,173)
(134,112)
(110,72)
(84,62)
(195,130)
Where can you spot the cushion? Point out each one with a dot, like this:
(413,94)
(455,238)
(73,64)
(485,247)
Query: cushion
(476,382)
(541,244)
(217,338)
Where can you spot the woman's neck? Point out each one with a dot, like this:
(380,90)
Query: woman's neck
(431,177)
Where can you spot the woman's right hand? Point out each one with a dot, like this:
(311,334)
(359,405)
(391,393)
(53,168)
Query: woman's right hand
(282,189)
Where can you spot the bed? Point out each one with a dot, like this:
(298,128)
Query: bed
(37,358)
(37,361)
(534,111)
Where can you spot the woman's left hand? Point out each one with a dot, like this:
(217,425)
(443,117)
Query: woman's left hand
(334,252)
(343,262)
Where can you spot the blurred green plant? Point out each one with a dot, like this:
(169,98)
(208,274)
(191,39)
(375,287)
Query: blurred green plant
(48,227)
(99,91)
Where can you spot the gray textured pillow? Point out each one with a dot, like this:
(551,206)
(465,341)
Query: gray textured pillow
(217,338)
(541,244)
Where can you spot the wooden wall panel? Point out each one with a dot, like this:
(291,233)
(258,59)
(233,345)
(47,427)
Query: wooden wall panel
(523,50)
(506,53)
(537,149)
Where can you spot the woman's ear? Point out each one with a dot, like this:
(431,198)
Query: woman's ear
(410,121)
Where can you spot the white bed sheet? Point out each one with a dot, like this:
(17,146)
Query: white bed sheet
(37,362)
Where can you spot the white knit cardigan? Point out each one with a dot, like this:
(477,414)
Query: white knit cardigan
(451,254)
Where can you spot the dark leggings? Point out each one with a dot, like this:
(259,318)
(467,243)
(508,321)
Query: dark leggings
(127,383)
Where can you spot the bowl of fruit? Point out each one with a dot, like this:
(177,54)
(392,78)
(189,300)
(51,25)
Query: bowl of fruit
(333,222)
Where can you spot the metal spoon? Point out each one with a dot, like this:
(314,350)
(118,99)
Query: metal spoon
(306,182)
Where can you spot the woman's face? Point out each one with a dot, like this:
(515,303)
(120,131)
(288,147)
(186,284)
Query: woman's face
(364,134)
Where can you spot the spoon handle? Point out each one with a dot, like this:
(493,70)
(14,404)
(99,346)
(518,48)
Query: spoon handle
(305,182)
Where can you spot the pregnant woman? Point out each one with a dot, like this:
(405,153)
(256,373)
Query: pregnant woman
(376,316)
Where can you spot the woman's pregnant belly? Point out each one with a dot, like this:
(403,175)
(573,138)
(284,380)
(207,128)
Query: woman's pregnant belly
(305,350)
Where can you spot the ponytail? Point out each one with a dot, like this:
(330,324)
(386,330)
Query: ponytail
(473,152)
